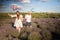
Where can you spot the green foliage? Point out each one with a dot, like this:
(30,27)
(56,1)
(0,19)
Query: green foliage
(14,33)
(52,15)
(43,27)
(57,26)
(46,35)
(34,25)
(34,36)
(52,26)
(46,15)
(34,15)
(3,15)
(28,29)
(24,35)
(5,38)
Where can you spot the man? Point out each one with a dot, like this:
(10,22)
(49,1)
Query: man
(28,19)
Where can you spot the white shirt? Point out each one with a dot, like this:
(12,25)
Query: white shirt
(28,18)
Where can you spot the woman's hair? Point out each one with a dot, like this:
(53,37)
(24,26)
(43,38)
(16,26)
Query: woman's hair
(18,15)
(18,12)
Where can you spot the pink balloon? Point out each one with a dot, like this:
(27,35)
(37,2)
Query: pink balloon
(14,7)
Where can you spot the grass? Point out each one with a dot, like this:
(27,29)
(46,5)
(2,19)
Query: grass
(34,15)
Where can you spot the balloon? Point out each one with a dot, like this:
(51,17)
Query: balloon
(14,7)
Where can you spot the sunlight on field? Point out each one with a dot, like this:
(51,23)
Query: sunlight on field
(34,15)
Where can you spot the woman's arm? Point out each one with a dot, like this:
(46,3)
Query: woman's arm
(12,15)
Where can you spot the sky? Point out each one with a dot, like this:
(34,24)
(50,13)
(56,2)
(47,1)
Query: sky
(30,5)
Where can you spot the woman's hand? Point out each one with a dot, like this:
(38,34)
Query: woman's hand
(8,14)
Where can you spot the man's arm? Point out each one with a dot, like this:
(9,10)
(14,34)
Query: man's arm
(25,18)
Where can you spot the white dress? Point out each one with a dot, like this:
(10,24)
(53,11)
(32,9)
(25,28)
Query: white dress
(18,22)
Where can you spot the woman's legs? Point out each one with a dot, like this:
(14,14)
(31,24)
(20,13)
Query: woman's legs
(18,29)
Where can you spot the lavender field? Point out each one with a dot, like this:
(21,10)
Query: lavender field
(42,29)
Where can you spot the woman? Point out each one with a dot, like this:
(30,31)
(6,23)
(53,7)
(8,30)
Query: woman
(18,21)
